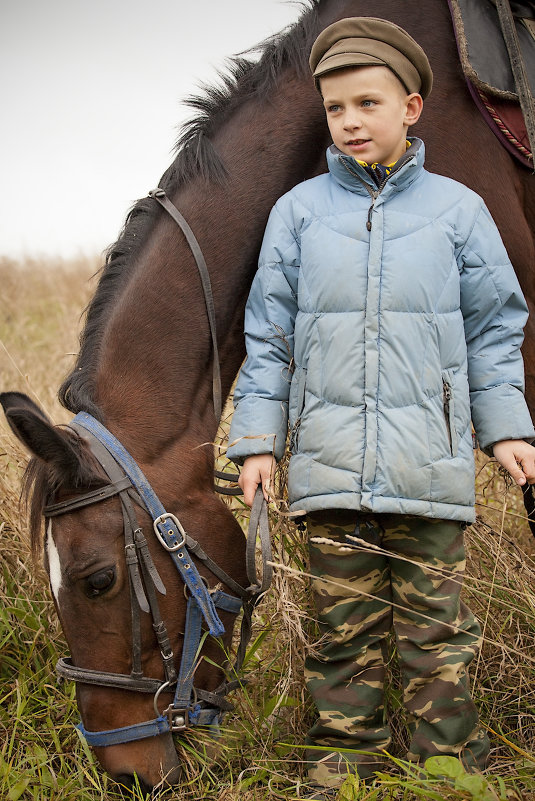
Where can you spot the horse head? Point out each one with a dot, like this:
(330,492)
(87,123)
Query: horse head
(133,636)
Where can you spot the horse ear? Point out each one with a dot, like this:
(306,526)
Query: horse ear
(33,428)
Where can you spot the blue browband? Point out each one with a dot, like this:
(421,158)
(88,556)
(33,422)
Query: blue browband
(202,604)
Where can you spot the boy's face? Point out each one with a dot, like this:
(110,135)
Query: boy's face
(369,112)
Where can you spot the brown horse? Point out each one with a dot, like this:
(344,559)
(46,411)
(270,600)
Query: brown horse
(144,363)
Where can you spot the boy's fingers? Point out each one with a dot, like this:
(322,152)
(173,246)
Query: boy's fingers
(256,471)
(249,489)
(515,471)
(528,467)
(518,458)
(248,486)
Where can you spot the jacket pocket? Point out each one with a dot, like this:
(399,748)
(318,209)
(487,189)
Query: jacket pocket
(300,405)
(449,412)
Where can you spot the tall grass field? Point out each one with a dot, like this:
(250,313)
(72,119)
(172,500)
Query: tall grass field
(260,754)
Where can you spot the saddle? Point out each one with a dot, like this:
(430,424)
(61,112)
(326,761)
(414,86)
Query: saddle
(486,61)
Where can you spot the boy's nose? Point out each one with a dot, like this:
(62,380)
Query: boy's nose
(351,122)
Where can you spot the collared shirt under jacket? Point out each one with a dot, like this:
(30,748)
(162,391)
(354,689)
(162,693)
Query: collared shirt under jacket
(381,323)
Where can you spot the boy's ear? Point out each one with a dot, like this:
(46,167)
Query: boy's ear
(414,107)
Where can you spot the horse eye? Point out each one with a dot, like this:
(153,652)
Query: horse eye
(99,583)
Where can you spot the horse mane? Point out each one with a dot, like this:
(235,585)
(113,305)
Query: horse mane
(195,157)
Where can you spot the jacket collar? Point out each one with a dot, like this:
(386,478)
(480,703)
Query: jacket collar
(351,175)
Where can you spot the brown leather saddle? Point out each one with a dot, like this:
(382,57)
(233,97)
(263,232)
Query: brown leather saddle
(487,66)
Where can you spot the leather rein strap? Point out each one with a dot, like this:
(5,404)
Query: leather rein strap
(160,196)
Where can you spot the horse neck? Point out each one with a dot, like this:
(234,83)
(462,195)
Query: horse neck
(154,367)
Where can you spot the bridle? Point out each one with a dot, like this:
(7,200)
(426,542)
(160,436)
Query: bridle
(190,705)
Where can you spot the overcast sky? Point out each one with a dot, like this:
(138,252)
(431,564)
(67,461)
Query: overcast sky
(91,103)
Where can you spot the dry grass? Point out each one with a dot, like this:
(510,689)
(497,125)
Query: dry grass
(39,319)
(40,308)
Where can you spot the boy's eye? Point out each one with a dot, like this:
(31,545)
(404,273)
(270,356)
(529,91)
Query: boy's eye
(368,103)
(333,108)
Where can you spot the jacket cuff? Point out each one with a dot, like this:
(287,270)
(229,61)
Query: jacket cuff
(500,413)
(259,425)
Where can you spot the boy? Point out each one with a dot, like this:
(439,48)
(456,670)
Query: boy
(384,319)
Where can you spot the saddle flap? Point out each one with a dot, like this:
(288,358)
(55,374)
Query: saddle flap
(482,49)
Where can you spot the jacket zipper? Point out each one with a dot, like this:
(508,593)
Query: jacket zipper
(447,401)
(300,406)
(293,435)
(374,193)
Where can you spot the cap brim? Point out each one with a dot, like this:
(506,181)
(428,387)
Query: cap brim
(340,60)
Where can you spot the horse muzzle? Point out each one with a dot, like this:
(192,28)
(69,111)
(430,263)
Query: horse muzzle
(157,766)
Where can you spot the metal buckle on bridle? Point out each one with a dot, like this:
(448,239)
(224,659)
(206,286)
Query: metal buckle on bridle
(159,691)
(160,535)
(178,718)
(187,591)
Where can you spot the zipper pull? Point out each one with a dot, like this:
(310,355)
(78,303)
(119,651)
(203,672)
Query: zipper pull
(447,396)
(446,393)
(369,222)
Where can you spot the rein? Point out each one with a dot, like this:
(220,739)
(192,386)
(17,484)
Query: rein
(190,705)
(160,196)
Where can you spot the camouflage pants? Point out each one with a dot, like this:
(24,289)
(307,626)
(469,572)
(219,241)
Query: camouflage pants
(361,595)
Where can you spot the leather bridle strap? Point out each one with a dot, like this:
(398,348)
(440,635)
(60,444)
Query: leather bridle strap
(160,196)
(145,581)
(121,681)
(89,498)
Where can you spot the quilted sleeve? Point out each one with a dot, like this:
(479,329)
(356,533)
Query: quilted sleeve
(495,313)
(260,419)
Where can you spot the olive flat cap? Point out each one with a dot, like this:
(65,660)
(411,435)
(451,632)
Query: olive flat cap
(366,41)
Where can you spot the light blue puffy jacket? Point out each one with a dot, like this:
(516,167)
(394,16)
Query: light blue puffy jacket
(380,324)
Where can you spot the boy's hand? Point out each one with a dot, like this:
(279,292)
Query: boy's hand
(256,470)
(518,458)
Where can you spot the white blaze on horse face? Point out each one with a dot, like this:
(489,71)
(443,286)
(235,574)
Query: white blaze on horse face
(54,565)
